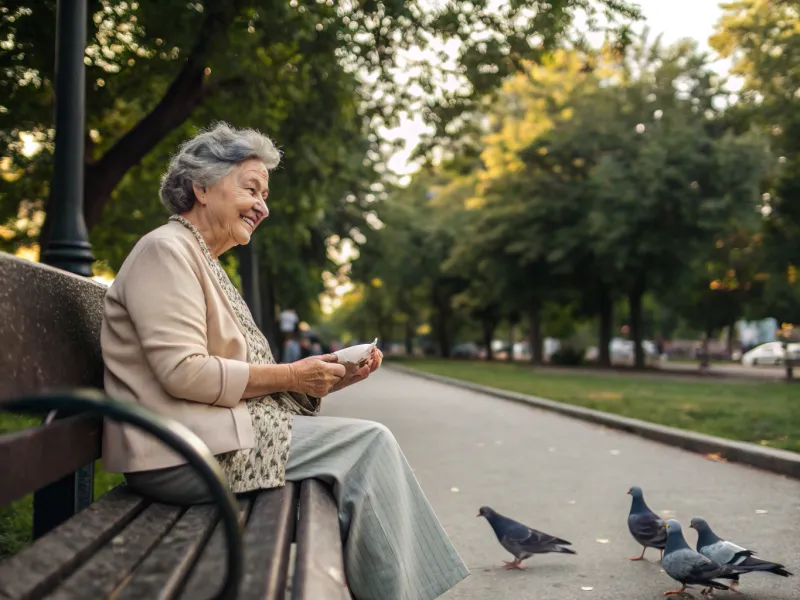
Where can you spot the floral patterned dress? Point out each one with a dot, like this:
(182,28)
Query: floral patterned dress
(264,465)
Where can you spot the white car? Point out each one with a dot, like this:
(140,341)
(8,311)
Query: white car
(621,351)
(770,353)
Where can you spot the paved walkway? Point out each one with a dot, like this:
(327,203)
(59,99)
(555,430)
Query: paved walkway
(729,370)
(569,478)
(716,371)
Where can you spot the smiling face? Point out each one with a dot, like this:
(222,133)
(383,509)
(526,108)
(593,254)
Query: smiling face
(232,208)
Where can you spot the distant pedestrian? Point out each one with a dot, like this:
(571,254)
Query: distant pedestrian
(287,324)
(291,350)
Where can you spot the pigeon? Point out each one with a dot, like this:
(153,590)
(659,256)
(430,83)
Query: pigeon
(645,526)
(688,567)
(710,545)
(520,540)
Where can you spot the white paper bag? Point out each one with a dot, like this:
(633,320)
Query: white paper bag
(356,355)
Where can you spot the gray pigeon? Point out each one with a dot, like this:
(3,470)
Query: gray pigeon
(520,540)
(710,545)
(645,526)
(689,567)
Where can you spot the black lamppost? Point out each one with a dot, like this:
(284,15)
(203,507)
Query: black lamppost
(67,245)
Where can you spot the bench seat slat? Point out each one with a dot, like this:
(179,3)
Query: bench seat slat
(319,564)
(113,563)
(163,572)
(208,574)
(45,563)
(268,540)
(35,457)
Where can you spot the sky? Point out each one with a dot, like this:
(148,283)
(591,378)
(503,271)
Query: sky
(675,19)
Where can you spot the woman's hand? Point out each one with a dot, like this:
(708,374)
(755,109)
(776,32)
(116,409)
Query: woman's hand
(375,360)
(316,376)
(360,374)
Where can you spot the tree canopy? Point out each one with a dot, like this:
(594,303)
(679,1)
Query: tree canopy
(320,77)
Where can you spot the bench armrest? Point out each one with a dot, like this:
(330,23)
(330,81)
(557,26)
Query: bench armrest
(170,432)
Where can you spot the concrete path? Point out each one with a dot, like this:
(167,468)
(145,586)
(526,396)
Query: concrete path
(729,370)
(569,478)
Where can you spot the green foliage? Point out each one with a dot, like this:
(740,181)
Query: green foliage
(589,185)
(319,77)
(763,41)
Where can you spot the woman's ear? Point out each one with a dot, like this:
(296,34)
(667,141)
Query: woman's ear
(199,193)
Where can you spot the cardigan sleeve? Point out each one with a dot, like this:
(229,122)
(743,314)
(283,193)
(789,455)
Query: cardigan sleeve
(165,300)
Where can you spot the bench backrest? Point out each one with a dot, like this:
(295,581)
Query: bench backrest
(49,340)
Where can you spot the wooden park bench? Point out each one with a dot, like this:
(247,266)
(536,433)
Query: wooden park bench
(121,545)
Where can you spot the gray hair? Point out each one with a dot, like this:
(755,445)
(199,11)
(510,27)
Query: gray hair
(208,157)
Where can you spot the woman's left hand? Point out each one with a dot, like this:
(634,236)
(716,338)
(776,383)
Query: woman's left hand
(360,374)
(375,360)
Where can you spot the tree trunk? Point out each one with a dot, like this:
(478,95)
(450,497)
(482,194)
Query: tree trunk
(384,329)
(535,332)
(730,340)
(409,336)
(442,322)
(185,93)
(442,335)
(488,335)
(268,317)
(705,357)
(511,340)
(606,326)
(635,305)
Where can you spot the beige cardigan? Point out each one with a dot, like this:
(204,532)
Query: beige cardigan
(171,342)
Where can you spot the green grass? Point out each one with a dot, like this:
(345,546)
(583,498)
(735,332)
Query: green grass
(762,412)
(16,520)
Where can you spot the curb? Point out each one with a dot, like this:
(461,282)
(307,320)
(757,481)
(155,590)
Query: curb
(782,462)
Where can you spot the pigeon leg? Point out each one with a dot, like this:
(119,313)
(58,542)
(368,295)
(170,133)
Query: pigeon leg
(734,587)
(516,564)
(675,592)
(641,556)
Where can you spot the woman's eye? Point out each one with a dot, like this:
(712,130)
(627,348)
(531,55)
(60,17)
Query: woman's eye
(252,191)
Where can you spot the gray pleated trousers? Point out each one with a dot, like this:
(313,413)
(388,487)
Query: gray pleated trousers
(395,548)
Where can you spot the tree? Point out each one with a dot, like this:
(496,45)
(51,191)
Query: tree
(151,65)
(510,237)
(763,41)
(319,77)
(610,181)
(393,254)
(658,187)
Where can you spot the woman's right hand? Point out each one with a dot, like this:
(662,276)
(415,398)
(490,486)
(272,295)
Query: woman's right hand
(316,375)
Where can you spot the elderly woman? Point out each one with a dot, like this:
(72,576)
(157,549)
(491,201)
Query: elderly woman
(178,338)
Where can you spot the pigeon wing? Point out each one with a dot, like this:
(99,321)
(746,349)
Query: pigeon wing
(726,553)
(648,529)
(679,564)
(530,540)
(706,570)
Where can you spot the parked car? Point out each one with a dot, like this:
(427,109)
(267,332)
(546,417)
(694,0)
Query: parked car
(621,352)
(770,353)
(522,350)
(467,350)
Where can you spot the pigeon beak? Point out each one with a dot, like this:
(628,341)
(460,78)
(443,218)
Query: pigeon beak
(478,515)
